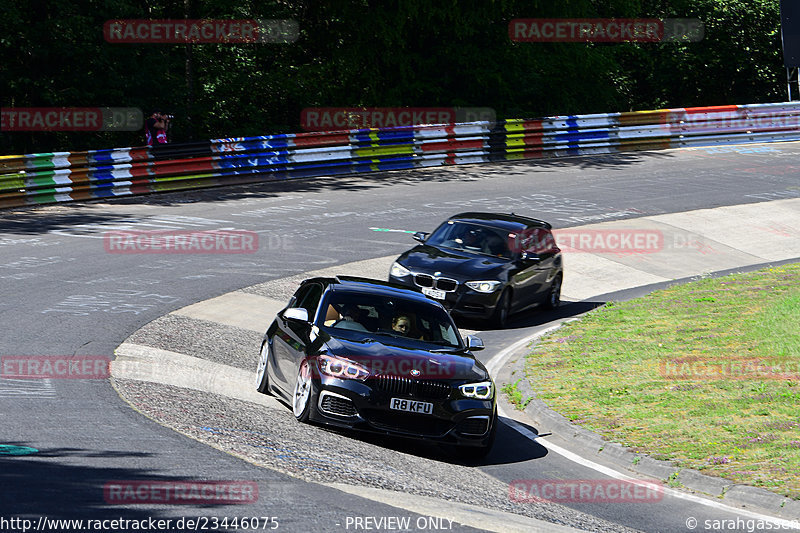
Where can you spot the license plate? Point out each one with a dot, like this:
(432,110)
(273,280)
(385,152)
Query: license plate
(411,406)
(433,293)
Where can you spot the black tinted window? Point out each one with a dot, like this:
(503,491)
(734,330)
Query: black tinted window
(308,298)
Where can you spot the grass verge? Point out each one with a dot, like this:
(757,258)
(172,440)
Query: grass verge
(514,395)
(706,374)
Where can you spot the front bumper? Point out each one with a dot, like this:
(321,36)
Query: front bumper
(363,406)
(464,302)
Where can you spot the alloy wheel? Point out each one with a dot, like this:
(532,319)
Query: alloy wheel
(302,392)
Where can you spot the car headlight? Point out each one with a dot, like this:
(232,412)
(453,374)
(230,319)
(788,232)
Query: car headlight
(483,286)
(399,271)
(482,391)
(337,367)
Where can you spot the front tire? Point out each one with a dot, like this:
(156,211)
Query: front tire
(502,310)
(262,378)
(301,400)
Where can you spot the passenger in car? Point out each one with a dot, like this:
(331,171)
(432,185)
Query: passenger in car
(494,245)
(401,324)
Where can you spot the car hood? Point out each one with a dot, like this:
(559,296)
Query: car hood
(379,356)
(456,263)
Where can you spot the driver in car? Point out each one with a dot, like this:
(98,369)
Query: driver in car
(470,239)
(350,313)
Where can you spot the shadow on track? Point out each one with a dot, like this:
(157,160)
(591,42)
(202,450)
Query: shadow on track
(425,449)
(509,447)
(45,484)
(32,221)
(535,317)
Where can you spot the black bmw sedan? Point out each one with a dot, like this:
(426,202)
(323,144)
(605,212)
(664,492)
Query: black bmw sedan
(372,356)
(485,265)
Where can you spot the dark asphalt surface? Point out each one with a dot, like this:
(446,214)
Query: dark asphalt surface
(63,294)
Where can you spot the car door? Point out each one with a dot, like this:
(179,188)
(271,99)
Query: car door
(549,262)
(531,269)
(291,336)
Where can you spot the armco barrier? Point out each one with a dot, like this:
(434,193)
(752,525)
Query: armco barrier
(67,176)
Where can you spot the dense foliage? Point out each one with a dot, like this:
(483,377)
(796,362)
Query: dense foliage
(373,53)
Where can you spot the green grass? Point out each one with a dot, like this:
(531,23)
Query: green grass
(706,374)
(514,395)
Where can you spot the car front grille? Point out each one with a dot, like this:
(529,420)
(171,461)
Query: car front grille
(431,282)
(337,405)
(416,388)
(474,425)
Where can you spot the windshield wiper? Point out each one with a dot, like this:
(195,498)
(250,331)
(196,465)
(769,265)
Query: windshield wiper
(453,349)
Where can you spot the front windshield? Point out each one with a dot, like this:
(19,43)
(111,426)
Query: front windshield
(396,320)
(472,238)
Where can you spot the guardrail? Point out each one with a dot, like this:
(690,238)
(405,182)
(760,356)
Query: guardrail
(96,174)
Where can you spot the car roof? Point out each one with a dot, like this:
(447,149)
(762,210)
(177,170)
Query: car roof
(371,286)
(506,221)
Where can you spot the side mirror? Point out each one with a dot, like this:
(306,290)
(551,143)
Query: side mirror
(296,314)
(474,343)
(420,236)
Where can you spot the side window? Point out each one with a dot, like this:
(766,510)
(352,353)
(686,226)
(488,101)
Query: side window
(549,243)
(309,299)
(539,241)
(299,295)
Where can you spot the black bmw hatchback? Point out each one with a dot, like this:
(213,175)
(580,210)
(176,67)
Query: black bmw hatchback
(372,356)
(485,265)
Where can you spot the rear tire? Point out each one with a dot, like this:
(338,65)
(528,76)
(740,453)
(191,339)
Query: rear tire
(262,378)
(554,294)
